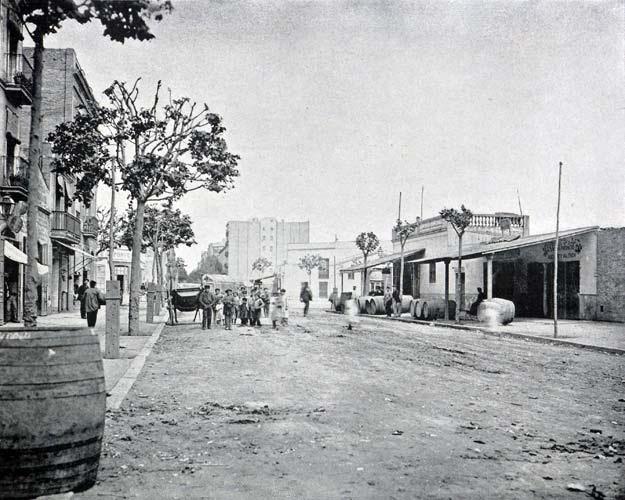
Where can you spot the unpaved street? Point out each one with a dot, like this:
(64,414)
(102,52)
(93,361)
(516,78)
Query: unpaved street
(387,410)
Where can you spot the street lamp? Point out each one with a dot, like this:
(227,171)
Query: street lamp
(7,205)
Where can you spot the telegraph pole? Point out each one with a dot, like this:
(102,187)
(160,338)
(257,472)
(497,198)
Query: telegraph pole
(555,258)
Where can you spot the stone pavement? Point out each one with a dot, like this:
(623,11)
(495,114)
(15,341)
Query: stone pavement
(597,335)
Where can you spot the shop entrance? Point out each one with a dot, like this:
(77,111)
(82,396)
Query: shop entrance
(568,290)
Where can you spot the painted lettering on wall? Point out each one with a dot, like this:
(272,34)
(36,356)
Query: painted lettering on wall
(567,248)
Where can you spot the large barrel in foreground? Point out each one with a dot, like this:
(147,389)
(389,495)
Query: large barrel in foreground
(500,311)
(52,408)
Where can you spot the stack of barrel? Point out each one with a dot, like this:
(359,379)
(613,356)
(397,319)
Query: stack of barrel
(375,305)
(431,309)
(52,408)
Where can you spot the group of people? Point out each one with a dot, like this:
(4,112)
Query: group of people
(392,301)
(228,307)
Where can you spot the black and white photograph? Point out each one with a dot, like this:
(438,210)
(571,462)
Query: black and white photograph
(312,249)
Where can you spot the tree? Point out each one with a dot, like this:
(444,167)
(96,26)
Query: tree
(367,243)
(121,21)
(309,262)
(261,265)
(459,220)
(163,228)
(103,216)
(165,151)
(181,269)
(403,230)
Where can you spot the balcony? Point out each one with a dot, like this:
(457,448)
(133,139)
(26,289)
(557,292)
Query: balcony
(16,78)
(14,177)
(65,227)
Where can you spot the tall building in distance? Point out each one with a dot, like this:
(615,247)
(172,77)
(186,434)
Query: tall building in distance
(267,237)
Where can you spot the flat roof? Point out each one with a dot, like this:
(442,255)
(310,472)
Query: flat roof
(481,249)
(383,260)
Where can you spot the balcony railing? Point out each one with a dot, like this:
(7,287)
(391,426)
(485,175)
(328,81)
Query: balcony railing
(17,74)
(66,222)
(14,172)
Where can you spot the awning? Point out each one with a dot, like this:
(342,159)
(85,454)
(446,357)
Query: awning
(408,254)
(482,249)
(14,253)
(77,250)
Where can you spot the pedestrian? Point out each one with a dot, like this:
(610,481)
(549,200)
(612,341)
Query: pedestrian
(80,294)
(266,302)
(218,307)
(306,296)
(388,302)
(229,306)
(205,301)
(244,311)
(278,309)
(258,309)
(11,303)
(93,300)
(397,302)
(237,304)
(285,313)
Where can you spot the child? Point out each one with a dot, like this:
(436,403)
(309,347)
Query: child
(228,306)
(244,311)
(258,309)
(219,307)
(278,309)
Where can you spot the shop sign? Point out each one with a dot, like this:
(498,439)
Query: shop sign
(567,249)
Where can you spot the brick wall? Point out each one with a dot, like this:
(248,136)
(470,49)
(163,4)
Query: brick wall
(611,274)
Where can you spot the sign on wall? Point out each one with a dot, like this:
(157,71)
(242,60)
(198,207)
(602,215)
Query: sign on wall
(568,248)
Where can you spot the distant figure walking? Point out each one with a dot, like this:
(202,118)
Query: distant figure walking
(306,296)
(93,300)
(205,301)
(388,302)
(229,307)
(397,302)
(80,294)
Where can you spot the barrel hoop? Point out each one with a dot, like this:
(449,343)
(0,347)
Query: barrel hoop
(94,459)
(55,397)
(72,363)
(9,452)
(38,384)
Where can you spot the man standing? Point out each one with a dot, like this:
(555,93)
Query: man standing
(229,307)
(93,299)
(266,301)
(397,302)
(80,293)
(388,302)
(305,296)
(205,302)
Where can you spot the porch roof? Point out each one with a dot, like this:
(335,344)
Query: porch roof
(384,260)
(482,249)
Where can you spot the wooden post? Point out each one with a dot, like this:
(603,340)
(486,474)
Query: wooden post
(157,300)
(113,299)
(447,290)
(489,276)
(555,258)
(151,297)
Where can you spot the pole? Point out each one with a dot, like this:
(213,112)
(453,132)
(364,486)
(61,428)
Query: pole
(520,207)
(399,210)
(555,258)
(334,271)
(422,188)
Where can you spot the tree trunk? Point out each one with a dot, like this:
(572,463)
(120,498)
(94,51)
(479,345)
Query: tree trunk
(34,158)
(112,228)
(401,271)
(135,271)
(459,281)
(364,277)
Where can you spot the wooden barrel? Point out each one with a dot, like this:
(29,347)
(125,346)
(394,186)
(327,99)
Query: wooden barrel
(418,310)
(500,311)
(52,407)
(405,303)
(413,306)
(375,305)
(436,309)
(362,303)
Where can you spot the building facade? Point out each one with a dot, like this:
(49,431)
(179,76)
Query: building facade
(67,228)
(246,241)
(15,94)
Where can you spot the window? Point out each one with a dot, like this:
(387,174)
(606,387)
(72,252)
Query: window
(323,289)
(432,272)
(324,269)
(350,275)
(42,253)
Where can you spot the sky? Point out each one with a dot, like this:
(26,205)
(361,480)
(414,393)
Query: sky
(335,107)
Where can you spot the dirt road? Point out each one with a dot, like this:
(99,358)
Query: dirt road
(386,410)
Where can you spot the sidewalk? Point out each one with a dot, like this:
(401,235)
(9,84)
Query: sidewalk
(596,335)
(130,346)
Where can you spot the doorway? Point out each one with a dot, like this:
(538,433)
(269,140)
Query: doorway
(120,278)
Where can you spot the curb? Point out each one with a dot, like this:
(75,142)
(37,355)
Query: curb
(125,383)
(499,333)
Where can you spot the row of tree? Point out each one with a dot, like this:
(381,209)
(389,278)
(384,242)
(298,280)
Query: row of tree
(153,153)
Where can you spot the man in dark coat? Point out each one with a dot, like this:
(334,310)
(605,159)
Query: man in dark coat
(206,301)
(80,293)
(306,296)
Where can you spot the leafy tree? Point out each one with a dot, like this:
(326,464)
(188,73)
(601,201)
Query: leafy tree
(162,152)
(103,216)
(261,264)
(309,262)
(403,230)
(459,220)
(163,228)
(121,21)
(367,243)
(181,269)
